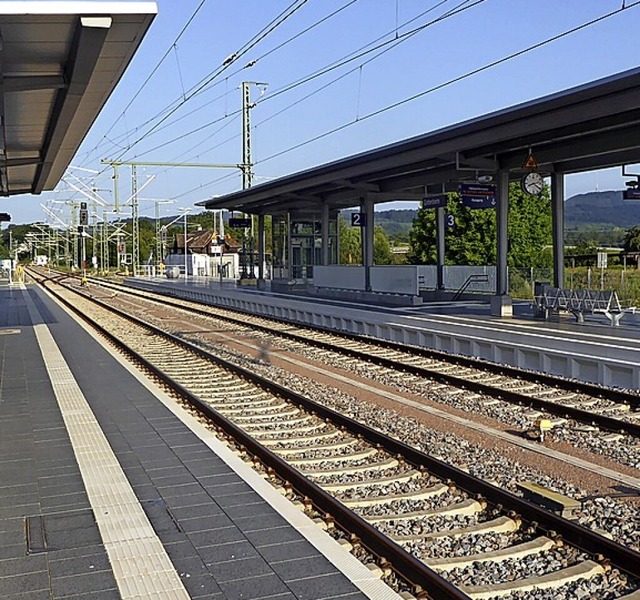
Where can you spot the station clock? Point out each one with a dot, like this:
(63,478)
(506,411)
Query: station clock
(532,183)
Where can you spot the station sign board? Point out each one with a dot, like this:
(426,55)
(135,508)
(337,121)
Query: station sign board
(358,219)
(631,194)
(439,201)
(478,195)
(602,260)
(239,223)
(4,217)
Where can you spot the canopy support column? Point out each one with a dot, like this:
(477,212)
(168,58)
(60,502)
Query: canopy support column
(557,227)
(367,205)
(325,233)
(501,303)
(440,251)
(261,247)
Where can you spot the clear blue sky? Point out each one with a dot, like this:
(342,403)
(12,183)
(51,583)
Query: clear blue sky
(486,31)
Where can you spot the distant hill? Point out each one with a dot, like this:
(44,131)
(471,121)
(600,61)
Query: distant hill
(593,209)
(395,221)
(606,209)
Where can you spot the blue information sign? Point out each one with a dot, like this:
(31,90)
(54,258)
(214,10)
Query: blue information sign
(477,195)
(478,202)
(439,201)
(239,223)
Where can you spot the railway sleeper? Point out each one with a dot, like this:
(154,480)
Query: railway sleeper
(615,408)
(422,494)
(240,391)
(586,403)
(265,405)
(257,399)
(324,435)
(291,450)
(611,437)
(259,432)
(277,425)
(223,402)
(260,416)
(535,546)
(387,463)
(498,525)
(584,570)
(343,486)
(459,509)
(519,386)
(330,459)
(562,397)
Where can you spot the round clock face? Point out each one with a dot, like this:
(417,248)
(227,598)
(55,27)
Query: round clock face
(532,183)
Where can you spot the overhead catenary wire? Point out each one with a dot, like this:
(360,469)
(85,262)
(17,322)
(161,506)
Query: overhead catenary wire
(332,66)
(452,81)
(155,69)
(194,90)
(458,8)
(361,52)
(296,5)
(383,49)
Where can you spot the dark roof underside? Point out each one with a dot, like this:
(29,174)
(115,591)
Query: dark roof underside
(585,128)
(59,63)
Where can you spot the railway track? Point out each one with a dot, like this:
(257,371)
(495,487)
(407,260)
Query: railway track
(439,528)
(584,415)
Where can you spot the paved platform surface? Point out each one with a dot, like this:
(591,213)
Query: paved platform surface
(226,532)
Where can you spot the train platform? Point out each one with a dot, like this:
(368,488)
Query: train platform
(109,490)
(593,351)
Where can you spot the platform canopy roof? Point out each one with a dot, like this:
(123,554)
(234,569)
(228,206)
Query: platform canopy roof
(60,62)
(593,126)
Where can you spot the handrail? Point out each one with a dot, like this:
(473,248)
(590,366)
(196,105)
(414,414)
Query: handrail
(475,277)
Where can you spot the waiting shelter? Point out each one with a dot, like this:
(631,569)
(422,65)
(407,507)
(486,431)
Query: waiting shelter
(589,127)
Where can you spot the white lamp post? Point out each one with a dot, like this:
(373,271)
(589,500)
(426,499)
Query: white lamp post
(186,267)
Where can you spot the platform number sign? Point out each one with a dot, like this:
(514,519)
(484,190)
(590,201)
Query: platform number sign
(449,221)
(358,219)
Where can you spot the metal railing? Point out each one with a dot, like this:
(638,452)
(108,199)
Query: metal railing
(475,278)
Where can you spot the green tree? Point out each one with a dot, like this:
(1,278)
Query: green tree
(632,240)
(469,242)
(529,228)
(473,239)
(350,245)
(381,248)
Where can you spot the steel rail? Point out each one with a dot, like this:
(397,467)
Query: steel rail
(514,397)
(474,363)
(407,566)
(621,557)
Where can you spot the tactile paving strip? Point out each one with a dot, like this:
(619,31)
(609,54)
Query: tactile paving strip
(141,566)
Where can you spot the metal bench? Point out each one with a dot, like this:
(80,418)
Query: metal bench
(580,302)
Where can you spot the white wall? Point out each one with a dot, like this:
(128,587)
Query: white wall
(338,276)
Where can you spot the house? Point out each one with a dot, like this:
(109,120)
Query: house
(205,255)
